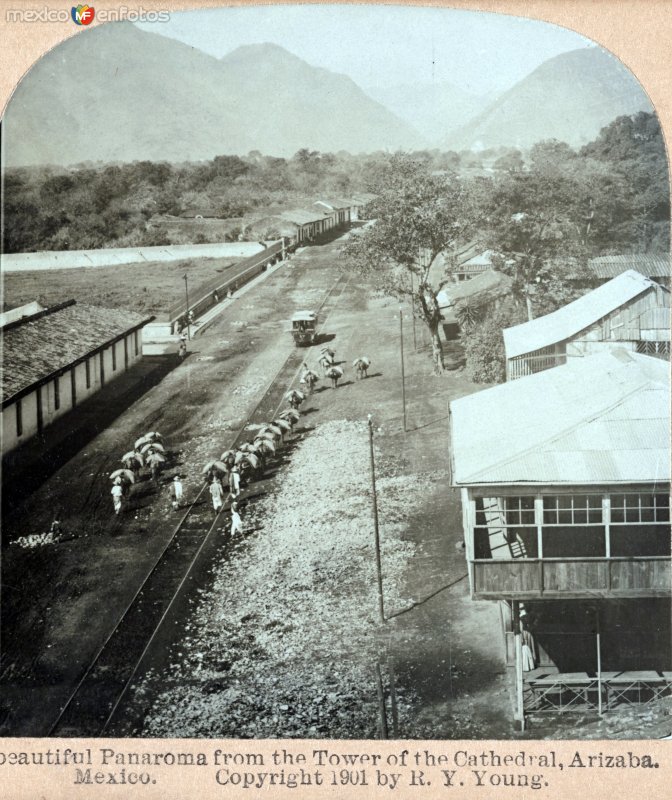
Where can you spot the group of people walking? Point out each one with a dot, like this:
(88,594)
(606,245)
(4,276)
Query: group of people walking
(148,452)
(234,467)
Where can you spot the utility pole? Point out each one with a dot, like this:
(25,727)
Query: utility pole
(415,340)
(376,531)
(186,290)
(403,376)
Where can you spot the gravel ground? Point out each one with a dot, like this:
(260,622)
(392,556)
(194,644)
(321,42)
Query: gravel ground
(246,667)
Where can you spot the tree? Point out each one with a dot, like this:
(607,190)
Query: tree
(418,216)
(537,224)
(484,346)
(511,161)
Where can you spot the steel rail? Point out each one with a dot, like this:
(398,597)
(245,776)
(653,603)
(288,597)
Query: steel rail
(341,281)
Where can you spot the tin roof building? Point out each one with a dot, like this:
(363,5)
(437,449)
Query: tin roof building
(653,265)
(565,484)
(629,311)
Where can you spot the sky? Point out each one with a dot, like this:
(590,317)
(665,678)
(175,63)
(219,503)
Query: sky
(384,46)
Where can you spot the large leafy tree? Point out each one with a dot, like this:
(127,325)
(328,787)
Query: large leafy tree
(538,224)
(418,215)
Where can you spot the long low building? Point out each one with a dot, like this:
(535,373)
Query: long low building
(56,357)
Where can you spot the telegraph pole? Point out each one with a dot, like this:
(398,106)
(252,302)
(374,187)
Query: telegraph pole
(415,340)
(403,376)
(186,290)
(376,531)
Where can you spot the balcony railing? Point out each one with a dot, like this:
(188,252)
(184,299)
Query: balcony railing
(529,578)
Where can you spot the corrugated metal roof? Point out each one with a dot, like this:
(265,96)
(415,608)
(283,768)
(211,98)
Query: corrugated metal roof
(483,260)
(37,348)
(487,285)
(574,317)
(604,418)
(362,198)
(335,203)
(653,266)
(302,216)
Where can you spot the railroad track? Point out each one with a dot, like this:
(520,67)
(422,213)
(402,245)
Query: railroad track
(96,701)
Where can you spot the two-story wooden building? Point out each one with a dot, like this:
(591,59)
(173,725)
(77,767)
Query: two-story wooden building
(565,484)
(630,311)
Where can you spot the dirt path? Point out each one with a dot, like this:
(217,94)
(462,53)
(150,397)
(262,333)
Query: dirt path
(284,639)
(284,635)
(59,601)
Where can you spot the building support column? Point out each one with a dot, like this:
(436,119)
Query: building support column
(520,711)
(599,660)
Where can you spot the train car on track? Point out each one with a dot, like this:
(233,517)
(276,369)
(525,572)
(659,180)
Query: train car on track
(304,326)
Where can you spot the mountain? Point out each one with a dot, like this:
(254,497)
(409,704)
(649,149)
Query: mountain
(569,97)
(292,102)
(116,93)
(434,109)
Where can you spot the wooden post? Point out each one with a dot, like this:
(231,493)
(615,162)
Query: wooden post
(393,698)
(403,376)
(376,530)
(415,341)
(381,704)
(186,291)
(520,712)
(599,661)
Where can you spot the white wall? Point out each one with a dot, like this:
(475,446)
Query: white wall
(10,439)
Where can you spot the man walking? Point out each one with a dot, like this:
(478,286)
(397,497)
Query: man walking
(177,492)
(236,521)
(117,495)
(217,494)
(234,482)
(182,351)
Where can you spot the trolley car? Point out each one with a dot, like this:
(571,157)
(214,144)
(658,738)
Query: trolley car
(304,326)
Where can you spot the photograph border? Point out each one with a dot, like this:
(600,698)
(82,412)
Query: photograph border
(639,33)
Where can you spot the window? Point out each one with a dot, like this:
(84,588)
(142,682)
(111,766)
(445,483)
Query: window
(505,511)
(57,393)
(577,509)
(114,357)
(505,528)
(87,365)
(573,526)
(640,508)
(19,418)
(137,347)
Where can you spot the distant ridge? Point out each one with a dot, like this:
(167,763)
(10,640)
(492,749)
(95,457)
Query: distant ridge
(569,97)
(116,93)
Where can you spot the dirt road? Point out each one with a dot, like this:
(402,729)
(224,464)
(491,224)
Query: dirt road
(61,600)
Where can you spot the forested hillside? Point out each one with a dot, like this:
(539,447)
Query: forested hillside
(619,180)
